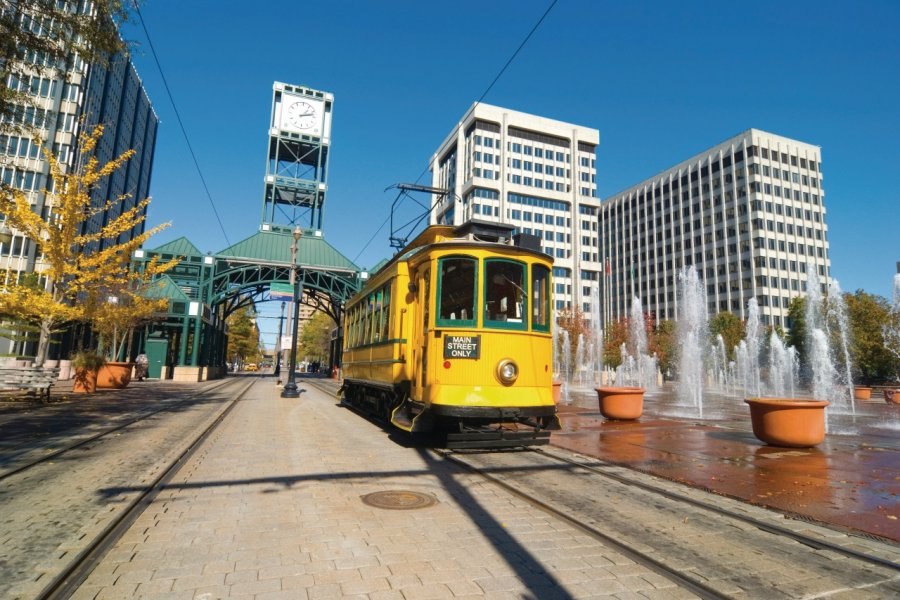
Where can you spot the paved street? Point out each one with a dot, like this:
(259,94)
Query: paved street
(272,509)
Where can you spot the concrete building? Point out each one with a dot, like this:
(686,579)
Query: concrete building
(66,103)
(534,173)
(748,213)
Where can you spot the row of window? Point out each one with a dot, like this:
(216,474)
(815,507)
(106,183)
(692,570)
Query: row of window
(369,322)
(783,157)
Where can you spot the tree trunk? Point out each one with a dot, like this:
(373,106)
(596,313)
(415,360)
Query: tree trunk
(43,343)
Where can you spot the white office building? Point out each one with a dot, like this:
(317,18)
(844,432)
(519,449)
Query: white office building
(531,172)
(749,214)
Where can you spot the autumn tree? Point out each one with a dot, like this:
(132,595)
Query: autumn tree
(42,38)
(664,345)
(616,334)
(573,321)
(243,336)
(79,262)
(315,339)
(730,327)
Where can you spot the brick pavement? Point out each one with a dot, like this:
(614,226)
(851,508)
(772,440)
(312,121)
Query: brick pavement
(270,508)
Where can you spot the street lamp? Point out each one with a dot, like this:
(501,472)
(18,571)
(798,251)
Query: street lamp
(290,389)
(278,347)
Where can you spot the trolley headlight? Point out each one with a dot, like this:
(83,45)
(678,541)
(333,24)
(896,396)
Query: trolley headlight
(507,371)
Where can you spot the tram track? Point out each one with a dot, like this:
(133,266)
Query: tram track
(602,468)
(712,552)
(64,512)
(67,580)
(54,454)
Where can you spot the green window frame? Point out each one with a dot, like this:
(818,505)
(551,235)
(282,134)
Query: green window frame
(540,298)
(457,291)
(505,294)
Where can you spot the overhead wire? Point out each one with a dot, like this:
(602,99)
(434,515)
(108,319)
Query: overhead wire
(477,102)
(181,123)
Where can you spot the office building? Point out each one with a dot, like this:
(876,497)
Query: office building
(531,172)
(748,213)
(67,102)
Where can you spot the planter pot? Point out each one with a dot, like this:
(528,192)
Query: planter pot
(557,391)
(85,381)
(65,370)
(788,422)
(862,393)
(621,403)
(116,375)
(892,396)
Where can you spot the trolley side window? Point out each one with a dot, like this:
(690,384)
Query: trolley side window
(540,298)
(505,294)
(386,313)
(456,292)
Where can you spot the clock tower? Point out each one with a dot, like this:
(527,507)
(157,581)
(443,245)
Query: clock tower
(297,164)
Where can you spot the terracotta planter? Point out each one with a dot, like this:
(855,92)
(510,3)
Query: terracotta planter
(85,381)
(862,393)
(116,375)
(892,396)
(557,391)
(621,403)
(788,422)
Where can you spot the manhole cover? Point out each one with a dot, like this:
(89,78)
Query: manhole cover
(398,500)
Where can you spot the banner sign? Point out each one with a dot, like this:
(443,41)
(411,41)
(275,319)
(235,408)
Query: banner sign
(462,346)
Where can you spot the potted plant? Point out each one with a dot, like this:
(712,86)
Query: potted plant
(892,396)
(789,422)
(621,403)
(86,365)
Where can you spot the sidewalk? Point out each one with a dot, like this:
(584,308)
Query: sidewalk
(272,507)
(851,480)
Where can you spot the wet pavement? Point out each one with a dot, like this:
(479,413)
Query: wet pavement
(851,480)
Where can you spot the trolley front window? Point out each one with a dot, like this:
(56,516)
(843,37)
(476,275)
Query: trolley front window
(456,292)
(505,294)
(540,298)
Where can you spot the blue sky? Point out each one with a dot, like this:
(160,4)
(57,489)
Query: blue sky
(660,81)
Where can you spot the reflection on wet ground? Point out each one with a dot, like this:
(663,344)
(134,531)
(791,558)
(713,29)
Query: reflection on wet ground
(852,479)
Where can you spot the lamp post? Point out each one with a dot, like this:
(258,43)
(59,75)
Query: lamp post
(290,389)
(278,344)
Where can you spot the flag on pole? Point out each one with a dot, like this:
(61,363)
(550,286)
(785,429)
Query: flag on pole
(608,267)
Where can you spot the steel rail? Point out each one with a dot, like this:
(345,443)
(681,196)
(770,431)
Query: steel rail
(767,527)
(105,432)
(700,589)
(67,581)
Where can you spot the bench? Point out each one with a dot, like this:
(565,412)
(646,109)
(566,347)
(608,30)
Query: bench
(29,378)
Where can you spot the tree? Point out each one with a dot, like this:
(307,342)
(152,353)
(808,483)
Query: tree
(730,327)
(616,335)
(573,321)
(243,336)
(867,315)
(797,318)
(43,38)
(665,346)
(315,339)
(78,267)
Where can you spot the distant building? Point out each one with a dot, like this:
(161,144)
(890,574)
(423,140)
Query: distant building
(531,172)
(66,103)
(749,214)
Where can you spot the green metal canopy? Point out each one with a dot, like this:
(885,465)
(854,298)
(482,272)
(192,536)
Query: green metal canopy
(275,247)
(179,247)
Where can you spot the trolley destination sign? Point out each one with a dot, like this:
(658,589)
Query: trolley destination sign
(462,346)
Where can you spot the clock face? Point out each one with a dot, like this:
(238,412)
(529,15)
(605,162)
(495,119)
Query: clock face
(301,115)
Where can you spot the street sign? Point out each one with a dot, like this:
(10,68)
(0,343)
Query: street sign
(285,342)
(281,291)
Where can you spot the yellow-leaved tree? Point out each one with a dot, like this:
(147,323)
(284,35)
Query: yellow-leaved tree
(82,270)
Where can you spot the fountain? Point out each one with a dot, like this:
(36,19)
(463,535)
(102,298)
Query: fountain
(598,335)
(692,334)
(826,322)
